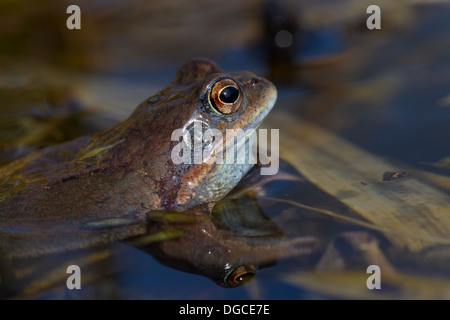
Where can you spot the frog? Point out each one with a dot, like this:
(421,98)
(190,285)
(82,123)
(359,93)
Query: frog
(115,177)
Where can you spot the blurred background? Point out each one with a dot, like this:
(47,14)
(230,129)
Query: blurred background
(385,91)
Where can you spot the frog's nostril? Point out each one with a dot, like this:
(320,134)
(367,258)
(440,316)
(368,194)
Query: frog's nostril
(153,99)
(255,81)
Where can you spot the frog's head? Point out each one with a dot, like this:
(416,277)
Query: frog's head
(203,97)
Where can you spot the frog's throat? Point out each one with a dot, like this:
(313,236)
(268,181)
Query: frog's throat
(244,144)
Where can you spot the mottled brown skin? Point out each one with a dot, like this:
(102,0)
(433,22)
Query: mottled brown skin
(127,170)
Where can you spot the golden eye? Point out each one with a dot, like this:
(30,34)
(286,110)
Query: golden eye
(240,275)
(225,96)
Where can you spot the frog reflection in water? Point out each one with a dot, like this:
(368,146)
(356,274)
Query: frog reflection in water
(228,246)
(109,181)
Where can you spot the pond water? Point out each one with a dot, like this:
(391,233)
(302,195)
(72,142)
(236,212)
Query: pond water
(364,120)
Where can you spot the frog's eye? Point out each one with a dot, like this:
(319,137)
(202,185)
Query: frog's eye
(240,275)
(225,96)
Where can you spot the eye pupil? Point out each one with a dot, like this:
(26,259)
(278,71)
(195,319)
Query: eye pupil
(225,96)
(229,94)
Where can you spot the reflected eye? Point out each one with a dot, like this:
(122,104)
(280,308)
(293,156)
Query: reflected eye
(225,96)
(240,275)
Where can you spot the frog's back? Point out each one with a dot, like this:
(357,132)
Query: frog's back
(59,198)
(41,166)
(72,179)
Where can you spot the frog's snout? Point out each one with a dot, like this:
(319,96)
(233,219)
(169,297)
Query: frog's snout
(260,95)
(259,88)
